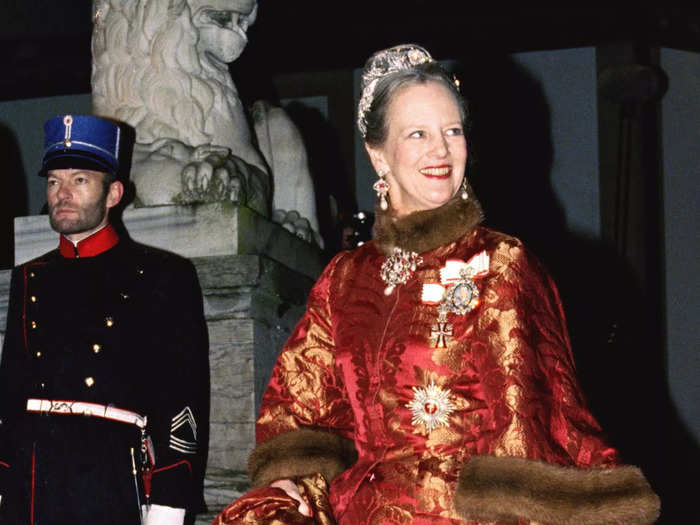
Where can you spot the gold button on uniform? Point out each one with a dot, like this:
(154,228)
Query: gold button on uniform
(38,354)
(96,348)
(89,381)
(109,321)
(33,298)
(33,325)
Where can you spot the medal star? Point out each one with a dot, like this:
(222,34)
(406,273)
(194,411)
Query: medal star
(431,406)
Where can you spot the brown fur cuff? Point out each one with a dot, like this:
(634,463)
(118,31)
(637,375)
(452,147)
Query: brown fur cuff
(298,453)
(507,489)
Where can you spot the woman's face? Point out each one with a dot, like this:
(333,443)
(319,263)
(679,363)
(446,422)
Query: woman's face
(425,152)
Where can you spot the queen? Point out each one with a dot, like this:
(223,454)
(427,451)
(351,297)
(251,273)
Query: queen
(431,380)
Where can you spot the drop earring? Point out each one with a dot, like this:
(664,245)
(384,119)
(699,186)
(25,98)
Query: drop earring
(465,193)
(382,188)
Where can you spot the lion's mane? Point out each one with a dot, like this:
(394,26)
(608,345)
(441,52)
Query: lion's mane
(147,72)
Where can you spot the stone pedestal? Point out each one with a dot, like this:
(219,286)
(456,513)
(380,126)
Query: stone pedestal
(255,278)
(251,304)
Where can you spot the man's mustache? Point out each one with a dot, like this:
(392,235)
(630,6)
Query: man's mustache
(64,205)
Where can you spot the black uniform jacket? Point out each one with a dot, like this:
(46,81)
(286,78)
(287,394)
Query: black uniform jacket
(119,325)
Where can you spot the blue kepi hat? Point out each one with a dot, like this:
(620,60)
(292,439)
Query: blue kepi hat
(80,141)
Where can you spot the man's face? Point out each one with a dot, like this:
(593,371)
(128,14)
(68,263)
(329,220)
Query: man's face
(77,201)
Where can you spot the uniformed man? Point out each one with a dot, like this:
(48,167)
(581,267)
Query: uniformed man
(104,380)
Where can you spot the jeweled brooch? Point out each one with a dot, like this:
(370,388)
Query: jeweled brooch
(431,406)
(398,268)
(463,296)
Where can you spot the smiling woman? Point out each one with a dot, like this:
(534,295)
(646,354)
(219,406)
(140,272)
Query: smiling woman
(425,152)
(431,379)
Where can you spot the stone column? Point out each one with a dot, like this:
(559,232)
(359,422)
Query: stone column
(251,304)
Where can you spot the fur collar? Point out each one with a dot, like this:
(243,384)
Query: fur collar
(422,231)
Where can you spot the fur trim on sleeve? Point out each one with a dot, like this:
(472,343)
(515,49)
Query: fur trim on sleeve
(507,488)
(298,453)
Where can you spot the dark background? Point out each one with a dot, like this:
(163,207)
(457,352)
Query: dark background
(612,287)
(46,44)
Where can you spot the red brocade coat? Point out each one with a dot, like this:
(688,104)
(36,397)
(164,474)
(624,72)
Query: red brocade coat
(359,357)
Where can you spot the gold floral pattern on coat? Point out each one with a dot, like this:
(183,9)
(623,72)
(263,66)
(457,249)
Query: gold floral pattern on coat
(352,362)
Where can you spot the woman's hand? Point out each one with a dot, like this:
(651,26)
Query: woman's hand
(292,491)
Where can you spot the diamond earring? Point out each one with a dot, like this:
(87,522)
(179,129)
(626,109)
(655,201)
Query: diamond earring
(382,188)
(465,193)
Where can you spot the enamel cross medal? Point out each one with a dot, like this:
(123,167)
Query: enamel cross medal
(441,331)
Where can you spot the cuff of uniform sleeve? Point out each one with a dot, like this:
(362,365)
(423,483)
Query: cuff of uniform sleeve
(172,485)
(163,515)
(505,489)
(299,453)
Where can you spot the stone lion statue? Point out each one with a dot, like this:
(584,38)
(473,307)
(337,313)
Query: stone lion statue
(162,67)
